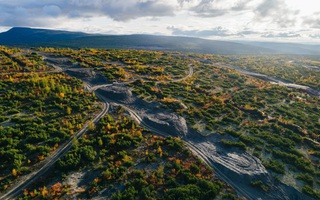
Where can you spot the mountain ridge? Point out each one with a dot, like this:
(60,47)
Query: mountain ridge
(25,35)
(30,37)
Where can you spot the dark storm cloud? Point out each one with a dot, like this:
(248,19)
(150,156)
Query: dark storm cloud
(278,11)
(37,13)
(218,31)
(281,35)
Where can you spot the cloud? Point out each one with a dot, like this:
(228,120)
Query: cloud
(278,12)
(313,21)
(135,9)
(21,16)
(197,18)
(241,5)
(208,8)
(35,13)
(315,36)
(222,32)
(13,13)
(217,31)
(282,35)
(216,8)
(51,10)
(267,7)
(247,32)
(182,2)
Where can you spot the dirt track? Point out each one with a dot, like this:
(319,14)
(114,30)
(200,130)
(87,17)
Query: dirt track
(234,166)
(26,180)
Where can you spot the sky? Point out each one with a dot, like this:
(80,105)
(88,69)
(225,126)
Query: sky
(269,20)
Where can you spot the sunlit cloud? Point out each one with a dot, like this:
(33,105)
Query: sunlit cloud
(228,19)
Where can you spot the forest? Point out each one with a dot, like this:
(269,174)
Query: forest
(41,108)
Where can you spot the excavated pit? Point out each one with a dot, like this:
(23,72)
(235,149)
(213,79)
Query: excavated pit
(87,75)
(232,165)
(151,113)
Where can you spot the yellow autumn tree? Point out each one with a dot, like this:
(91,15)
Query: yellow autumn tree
(91,126)
(44,192)
(69,110)
(108,126)
(160,151)
(14,172)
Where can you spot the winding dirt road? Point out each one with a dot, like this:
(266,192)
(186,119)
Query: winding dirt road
(194,148)
(205,149)
(26,180)
(199,145)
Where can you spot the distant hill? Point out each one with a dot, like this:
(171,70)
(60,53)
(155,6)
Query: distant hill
(41,37)
(287,48)
(151,42)
(29,36)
